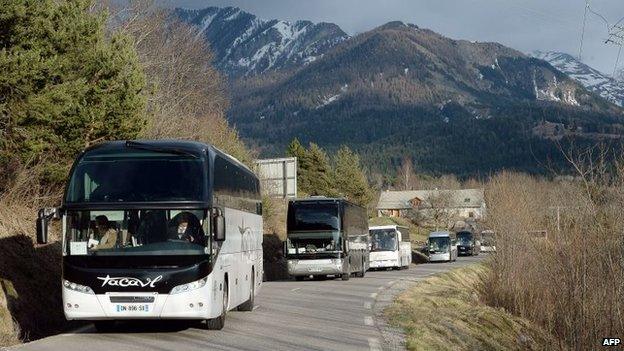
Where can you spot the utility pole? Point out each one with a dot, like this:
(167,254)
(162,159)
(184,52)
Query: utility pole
(580,54)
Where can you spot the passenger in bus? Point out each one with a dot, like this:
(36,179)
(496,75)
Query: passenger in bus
(185,226)
(331,246)
(104,234)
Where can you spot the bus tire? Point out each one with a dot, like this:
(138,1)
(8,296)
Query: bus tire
(104,326)
(347,275)
(219,322)
(248,305)
(299,278)
(362,272)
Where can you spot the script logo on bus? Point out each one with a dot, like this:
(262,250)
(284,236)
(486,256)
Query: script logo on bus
(125,282)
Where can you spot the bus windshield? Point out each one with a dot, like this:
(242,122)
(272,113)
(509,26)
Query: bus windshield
(439,245)
(136,232)
(311,242)
(136,176)
(464,238)
(383,240)
(313,217)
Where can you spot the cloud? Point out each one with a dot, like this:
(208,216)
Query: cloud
(525,25)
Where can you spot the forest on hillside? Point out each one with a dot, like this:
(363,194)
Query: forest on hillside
(451,106)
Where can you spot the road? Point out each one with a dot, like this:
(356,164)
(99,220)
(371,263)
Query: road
(290,315)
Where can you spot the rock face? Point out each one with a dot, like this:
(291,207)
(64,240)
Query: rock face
(246,45)
(593,80)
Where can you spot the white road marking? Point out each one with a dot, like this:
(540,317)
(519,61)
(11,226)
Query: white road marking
(373,295)
(368,305)
(368,320)
(379,288)
(374,344)
(256,307)
(295,289)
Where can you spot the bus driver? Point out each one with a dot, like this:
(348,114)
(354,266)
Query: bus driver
(104,236)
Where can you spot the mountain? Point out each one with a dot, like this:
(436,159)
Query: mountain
(397,91)
(246,45)
(593,80)
(452,106)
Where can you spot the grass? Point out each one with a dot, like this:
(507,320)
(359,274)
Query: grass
(9,330)
(445,313)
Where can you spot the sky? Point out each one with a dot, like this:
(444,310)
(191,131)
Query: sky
(526,25)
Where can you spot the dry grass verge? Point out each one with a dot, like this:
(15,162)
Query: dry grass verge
(445,313)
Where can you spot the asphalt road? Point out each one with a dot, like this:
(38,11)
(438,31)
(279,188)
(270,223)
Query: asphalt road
(290,315)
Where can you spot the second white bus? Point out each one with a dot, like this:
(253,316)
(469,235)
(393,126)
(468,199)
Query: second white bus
(390,247)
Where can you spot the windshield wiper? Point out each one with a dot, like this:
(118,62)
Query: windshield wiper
(141,146)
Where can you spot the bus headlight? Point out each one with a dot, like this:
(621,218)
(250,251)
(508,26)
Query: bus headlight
(77,287)
(189,287)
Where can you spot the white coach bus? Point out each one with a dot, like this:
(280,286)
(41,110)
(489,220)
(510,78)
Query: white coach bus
(390,247)
(158,230)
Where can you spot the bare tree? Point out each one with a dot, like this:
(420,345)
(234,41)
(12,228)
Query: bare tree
(435,210)
(439,208)
(406,175)
(186,96)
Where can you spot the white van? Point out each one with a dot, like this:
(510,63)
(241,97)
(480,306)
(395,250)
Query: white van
(390,247)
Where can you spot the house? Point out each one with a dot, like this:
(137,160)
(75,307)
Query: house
(461,204)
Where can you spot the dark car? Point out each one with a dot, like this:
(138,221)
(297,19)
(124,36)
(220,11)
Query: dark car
(468,244)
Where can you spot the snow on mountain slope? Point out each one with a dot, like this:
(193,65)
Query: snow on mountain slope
(593,80)
(246,45)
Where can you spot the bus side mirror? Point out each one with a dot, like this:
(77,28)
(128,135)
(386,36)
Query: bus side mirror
(219,225)
(43,221)
(285,248)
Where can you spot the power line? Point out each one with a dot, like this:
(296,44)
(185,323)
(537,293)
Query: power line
(615,33)
(599,15)
(617,61)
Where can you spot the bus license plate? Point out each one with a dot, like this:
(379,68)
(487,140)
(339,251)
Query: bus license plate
(315,269)
(132,308)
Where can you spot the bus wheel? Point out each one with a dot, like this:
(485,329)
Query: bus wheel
(248,305)
(362,273)
(347,275)
(104,326)
(219,322)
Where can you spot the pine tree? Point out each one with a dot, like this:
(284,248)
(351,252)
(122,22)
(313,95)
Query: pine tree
(295,149)
(314,172)
(319,173)
(64,84)
(349,179)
